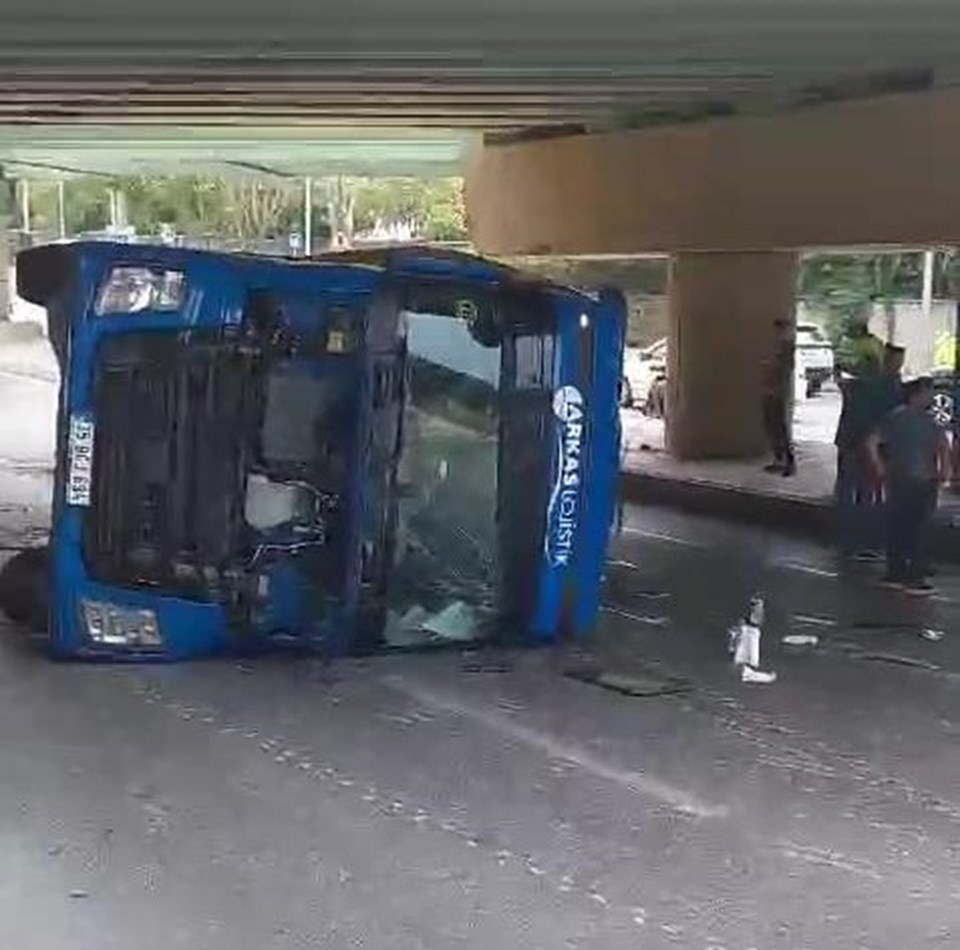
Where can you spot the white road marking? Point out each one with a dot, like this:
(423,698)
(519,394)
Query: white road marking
(813,621)
(638,618)
(825,857)
(660,536)
(677,798)
(806,569)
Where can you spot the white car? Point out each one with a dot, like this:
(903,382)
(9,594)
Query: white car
(814,357)
(642,367)
(645,368)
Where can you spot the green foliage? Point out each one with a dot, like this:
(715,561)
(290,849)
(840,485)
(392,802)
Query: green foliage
(87,204)
(251,209)
(844,288)
(433,208)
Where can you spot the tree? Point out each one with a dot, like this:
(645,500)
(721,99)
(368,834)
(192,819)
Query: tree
(432,208)
(257,209)
(846,287)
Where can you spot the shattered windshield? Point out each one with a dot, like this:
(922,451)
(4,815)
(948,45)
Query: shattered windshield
(443,586)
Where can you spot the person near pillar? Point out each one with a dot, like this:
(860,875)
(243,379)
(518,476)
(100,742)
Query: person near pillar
(910,454)
(778,386)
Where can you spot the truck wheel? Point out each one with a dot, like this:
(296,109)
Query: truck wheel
(25,588)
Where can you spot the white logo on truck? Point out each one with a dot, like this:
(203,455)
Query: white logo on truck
(564,504)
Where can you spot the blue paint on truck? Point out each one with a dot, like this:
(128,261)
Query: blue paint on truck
(247,446)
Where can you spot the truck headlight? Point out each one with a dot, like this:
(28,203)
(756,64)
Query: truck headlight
(111,625)
(136,289)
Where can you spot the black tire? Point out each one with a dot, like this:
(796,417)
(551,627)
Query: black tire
(25,588)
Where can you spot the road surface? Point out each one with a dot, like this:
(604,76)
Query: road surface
(489,801)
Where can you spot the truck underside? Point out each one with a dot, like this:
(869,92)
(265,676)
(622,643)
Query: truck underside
(220,457)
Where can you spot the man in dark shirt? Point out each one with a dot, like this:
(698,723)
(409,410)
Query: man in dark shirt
(910,454)
(777,402)
(867,399)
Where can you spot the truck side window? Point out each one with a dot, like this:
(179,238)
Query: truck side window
(534,362)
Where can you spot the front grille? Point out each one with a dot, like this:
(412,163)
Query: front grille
(173,419)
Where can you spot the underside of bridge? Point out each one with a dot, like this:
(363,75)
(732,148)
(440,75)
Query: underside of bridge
(746,128)
(192,81)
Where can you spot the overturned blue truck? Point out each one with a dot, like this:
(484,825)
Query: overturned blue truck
(344,454)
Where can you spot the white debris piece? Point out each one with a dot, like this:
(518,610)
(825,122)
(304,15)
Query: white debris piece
(744,644)
(934,635)
(456,621)
(749,675)
(800,640)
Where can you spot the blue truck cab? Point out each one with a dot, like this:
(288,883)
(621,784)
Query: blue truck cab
(346,453)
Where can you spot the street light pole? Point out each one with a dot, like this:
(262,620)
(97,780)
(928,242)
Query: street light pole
(929,258)
(307,216)
(61,209)
(25,205)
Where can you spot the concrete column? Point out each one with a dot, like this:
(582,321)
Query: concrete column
(723,338)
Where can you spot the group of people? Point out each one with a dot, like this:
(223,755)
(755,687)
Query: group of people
(891,459)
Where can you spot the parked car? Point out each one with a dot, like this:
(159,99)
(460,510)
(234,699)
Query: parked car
(814,356)
(645,369)
(642,367)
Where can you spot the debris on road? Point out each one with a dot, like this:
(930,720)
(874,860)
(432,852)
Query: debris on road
(744,644)
(749,675)
(899,660)
(650,621)
(642,683)
(800,640)
(935,636)
(813,620)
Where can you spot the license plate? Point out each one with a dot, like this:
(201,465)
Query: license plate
(80,454)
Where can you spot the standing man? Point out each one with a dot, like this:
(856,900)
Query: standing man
(777,402)
(868,398)
(856,485)
(887,389)
(909,453)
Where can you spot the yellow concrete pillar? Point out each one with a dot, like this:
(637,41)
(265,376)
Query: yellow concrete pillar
(723,337)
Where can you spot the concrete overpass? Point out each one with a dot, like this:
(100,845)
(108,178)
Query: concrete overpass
(702,129)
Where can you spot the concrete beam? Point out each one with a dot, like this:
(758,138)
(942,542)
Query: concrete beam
(880,171)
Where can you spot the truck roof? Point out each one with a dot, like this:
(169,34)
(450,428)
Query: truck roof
(42,270)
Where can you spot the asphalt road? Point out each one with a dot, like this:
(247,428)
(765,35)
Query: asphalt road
(489,801)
